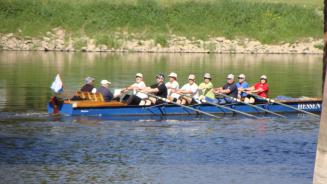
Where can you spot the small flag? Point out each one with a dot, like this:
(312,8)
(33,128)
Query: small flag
(57,85)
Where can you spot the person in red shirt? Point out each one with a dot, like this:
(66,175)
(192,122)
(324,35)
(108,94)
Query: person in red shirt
(260,88)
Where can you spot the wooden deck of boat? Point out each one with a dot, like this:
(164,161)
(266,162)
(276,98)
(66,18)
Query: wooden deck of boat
(88,104)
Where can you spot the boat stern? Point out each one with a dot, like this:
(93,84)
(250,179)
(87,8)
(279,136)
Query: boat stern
(57,106)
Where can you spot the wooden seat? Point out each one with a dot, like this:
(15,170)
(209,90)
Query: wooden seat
(83,95)
(86,95)
(97,97)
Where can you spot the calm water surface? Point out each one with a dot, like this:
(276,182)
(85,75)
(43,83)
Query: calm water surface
(37,148)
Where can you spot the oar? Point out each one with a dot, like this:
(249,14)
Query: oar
(285,105)
(254,106)
(228,108)
(224,107)
(186,107)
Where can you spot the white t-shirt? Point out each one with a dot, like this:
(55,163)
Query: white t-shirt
(137,93)
(171,85)
(193,88)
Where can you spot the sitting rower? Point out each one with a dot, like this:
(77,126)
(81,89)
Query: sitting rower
(229,89)
(206,88)
(189,92)
(172,86)
(137,96)
(241,85)
(159,89)
(88,87)
(260,88)
(104,90)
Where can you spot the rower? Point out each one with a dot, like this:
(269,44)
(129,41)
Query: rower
(172,86)
(229,89)
(188,92)
(104,90)
(260,88)
(158,89)
(137,96)
(241,85)
(206,88)
(88,87)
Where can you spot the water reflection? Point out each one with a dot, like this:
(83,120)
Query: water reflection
(37,148)
(26,76)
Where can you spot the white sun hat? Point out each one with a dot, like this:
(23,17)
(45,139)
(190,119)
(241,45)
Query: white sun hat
(230,76)
(241,76)
(263,77)
(207,75)
(103,82)
(139,75)
(191,77)
(172,74)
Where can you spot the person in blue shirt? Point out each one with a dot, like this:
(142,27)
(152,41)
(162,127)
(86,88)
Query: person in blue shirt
(241,85)
(104,90)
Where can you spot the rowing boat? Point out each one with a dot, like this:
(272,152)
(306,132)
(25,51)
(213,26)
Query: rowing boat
(116,109)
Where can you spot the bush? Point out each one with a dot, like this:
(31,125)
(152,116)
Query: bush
(108,40)
(161,39)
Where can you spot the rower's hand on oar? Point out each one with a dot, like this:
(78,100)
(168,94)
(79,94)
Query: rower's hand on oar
(201,97)
(180,92)
(203,100)
(216,90)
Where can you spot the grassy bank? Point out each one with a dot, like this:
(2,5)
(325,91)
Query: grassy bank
(266,22)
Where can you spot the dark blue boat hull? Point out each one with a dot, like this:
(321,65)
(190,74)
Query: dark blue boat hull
(166,110)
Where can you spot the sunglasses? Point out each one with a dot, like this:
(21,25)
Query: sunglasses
(240,78)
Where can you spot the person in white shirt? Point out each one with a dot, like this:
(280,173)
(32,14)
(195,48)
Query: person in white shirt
(172,86)
(188,92)
(137,96)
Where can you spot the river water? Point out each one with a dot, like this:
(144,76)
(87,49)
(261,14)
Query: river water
(38,148)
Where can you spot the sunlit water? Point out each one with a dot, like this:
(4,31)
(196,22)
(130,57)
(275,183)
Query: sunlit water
(38,148)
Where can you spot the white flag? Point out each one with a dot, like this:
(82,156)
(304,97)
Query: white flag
(57,84)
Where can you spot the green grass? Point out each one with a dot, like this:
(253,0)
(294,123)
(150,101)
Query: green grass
(161,39)
(312,3)
(108,40)
(267,22)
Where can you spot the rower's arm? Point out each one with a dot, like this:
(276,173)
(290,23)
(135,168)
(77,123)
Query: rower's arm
(251,89)
(135,87)
(151,90)
(131,87)
(257,91)
(225,91)
(181,91)
(217,90)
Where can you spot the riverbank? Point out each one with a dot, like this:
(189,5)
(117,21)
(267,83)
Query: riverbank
(56,40)
(217,26)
